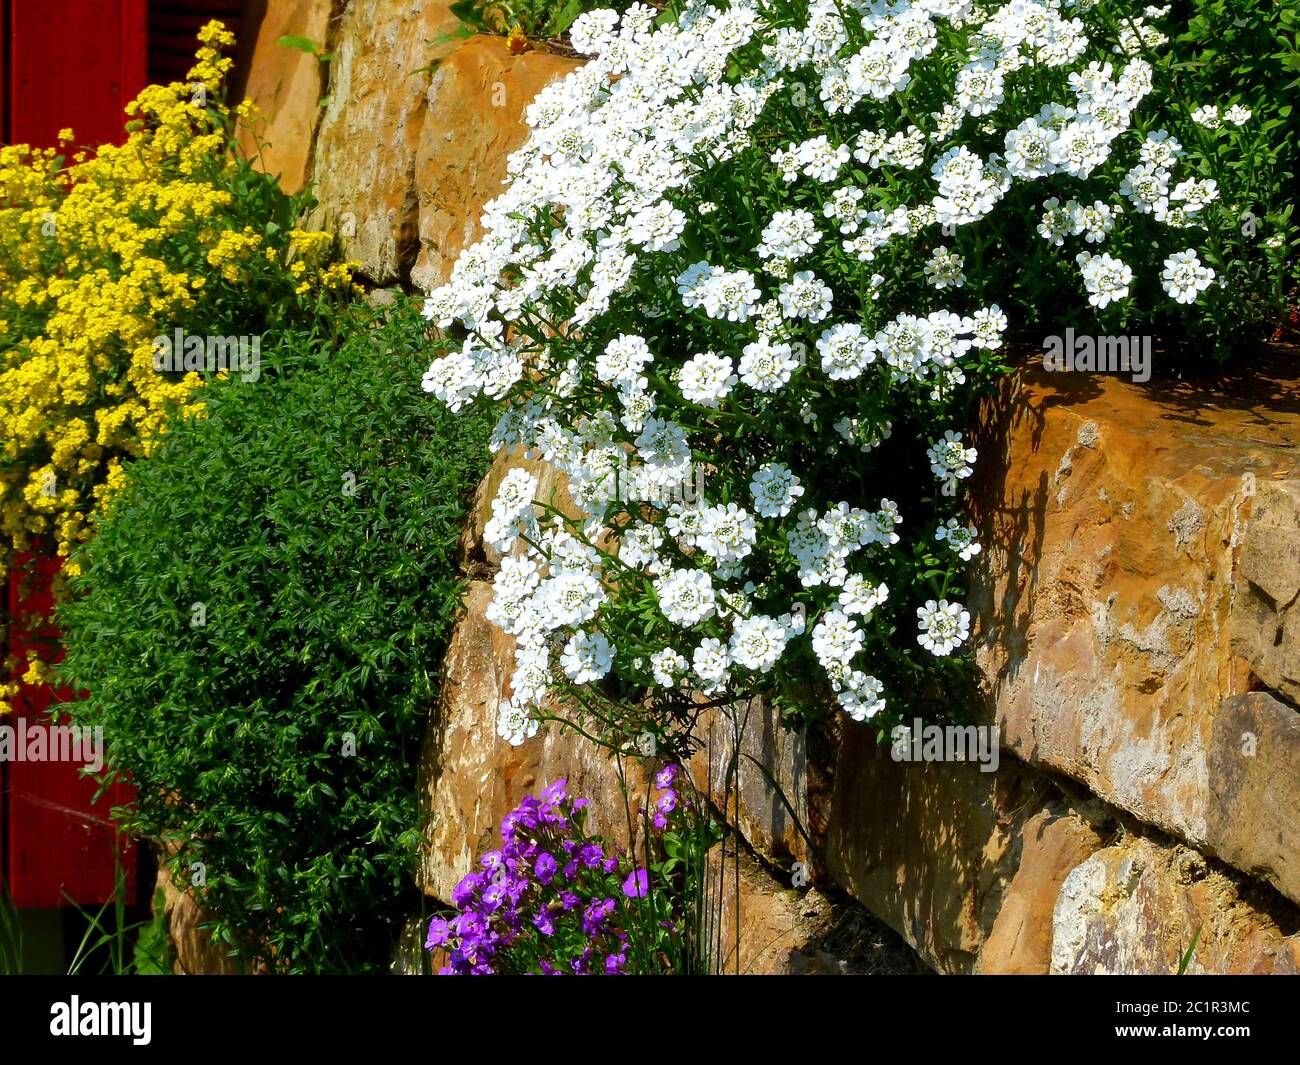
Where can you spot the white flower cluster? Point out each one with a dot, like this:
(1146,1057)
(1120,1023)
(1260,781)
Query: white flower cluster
(603,244)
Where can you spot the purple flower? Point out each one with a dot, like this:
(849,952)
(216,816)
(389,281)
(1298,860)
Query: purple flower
(593,918)
(535,894)
(508,825)
(637,884)
(665,805)
(493,898)
(665,777)
(439,931)
(544,867)
(464,891)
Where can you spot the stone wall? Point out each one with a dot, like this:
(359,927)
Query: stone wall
(1137,629)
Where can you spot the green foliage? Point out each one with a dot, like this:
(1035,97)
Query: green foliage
(273,588)
(11,935)
(151,955)
(1185,961)
(304,44)
(122,948)
(535,19)
(1244,52)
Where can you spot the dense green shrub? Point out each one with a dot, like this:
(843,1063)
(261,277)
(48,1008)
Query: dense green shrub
(279,578)
(1246,52)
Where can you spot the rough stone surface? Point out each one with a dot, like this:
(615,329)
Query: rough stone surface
(364,172)
(759,927)
(480,558)
(1137,626)
(1266,618)
(286,84)
(1020,941)
(748,763)
(195,953)
(967,866)
(472,778)
(1254,770)
(1137,907)
(409,956)
(928,847)
(476,104)
(1110,601)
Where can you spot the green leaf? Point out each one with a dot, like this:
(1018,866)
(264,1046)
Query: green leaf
(302,44)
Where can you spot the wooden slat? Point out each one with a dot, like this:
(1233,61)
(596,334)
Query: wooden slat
(58,843)
(75,63)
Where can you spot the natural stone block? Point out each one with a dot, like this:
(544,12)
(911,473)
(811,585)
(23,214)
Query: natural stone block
(1135,573)
(364,173)
(1138,907)
(476,107)
(286,84)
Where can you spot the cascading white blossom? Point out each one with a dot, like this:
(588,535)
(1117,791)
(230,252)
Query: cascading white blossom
(605,192)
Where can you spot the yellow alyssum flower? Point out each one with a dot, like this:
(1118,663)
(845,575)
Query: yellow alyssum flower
(99,257)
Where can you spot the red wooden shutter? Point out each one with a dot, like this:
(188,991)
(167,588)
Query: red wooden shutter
(59,844)
(73,64)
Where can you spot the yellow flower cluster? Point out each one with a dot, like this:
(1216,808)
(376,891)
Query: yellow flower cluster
(99,255)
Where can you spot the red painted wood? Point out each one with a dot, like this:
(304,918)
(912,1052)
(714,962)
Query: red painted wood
(135,50)
(74,63)
(59,843)
(4,78)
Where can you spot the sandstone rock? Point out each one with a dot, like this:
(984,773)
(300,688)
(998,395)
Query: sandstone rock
(1111,596)
(769,772)
(475,120)
(760,928)
(479,557)
(472,778)
(1266,615)
(364,171)
(409,956)
(928,847)
(1253,820)
(1020,941)
(286,84)
(195,952)
(1137,907)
